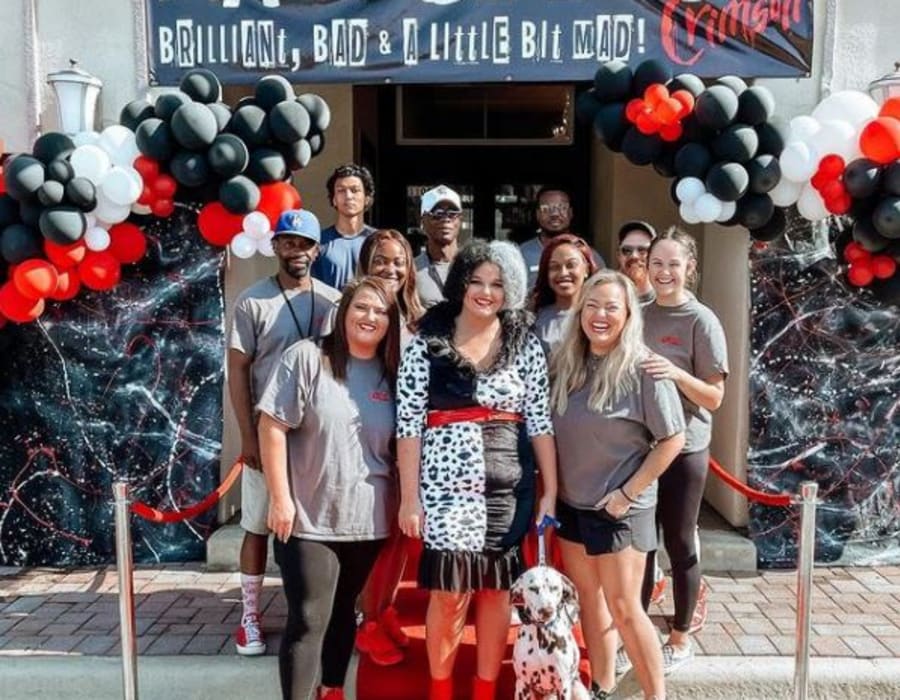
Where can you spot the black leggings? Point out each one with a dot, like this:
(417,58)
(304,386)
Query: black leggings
(321,583)
(677,510)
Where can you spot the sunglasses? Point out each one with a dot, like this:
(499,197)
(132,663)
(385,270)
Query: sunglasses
(628,250)
(554,208)
(439,214)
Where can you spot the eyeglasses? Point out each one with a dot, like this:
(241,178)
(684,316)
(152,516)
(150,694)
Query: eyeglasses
(439,214)
(639,250)
(554,208)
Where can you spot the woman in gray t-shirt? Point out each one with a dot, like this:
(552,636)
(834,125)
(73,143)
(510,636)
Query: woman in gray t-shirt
(327,421)
(617,429)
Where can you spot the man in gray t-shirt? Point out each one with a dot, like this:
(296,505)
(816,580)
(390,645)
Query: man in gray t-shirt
(441,210)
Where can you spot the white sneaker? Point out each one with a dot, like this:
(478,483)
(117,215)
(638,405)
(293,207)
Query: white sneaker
(675,657)
(249,639)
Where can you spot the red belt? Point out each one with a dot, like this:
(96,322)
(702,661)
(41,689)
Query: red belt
(473,414)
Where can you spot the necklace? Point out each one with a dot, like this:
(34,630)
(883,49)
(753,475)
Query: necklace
(312,307)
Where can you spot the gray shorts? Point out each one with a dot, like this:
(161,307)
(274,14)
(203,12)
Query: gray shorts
(254,502)
(600,533)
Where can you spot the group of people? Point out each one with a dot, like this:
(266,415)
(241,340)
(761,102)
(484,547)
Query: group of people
(455,398)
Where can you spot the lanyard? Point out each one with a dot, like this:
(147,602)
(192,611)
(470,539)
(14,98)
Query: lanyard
(312,308)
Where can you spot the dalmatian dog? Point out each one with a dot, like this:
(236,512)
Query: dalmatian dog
(546,656)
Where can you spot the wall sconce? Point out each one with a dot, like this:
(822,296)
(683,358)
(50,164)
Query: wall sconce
(887,86)
(76,98)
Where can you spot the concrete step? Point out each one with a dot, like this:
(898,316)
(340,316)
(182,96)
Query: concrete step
(722,548)
(215,678)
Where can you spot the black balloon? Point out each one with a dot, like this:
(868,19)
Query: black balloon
(865,233)
(9,211)
(861,178)
(81,192)
(189,168)
(733,83)
(30,212)
(673,195)
(266,165)
(586,106)
(773,134)
(18,243)
(687,81)
(890,179)
(60,171)
(664,163)
(251,125)
(728,181)
(764,172)
(641,149)
(756,105)
(612,82)
(154,139)
(319,111)
(755,211)
(135,112)
(716,107)
(23,176)
(168,103)
(693,160)
(222,113)
(886,217)
(239,195)
(51,193)
(289,121)
(649,73)
(272,89)
(63,225)
(887,291)
(51,146)
(738,142)
(201,85)
(194,126)
(316,142)
(863,208)
(297,155)
(773,229)
(610,125)
(693,131)
(228,156)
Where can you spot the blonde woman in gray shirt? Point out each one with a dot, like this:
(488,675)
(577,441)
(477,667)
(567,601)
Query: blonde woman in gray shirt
(617,430)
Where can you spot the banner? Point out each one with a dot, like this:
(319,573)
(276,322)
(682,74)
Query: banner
(447,41)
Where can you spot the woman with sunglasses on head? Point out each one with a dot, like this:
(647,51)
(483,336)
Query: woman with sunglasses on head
(617,429)
(326,438)
(688,347)
(472,383)
(386,254)
(566,262)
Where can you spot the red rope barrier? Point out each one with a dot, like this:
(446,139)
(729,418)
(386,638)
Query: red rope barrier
(176,516)
(767,499)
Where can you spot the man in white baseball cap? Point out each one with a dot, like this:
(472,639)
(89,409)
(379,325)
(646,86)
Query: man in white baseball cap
(441,212)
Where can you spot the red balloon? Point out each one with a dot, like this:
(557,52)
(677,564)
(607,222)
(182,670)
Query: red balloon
(275,198)
(164,187)
(17,308)
(891,108)
(883,267)
(633,108)
(832,166)
(147,167)
(880,140)
(671,132)
(218,225)
(147,197)
(832,190)
(35,278)
(656,93)
(68,286)
(668,111)
(687,102)
(855,253)
(839,204)
(860,275)
(820,181)
(65,256)
(127,243)
(100,271)
(163,208)
(646,124)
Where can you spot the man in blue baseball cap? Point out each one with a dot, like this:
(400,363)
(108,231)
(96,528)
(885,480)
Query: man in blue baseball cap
(269,316)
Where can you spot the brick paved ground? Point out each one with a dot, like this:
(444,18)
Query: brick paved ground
(182,609)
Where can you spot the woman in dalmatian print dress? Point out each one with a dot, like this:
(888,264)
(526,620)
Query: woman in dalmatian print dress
(472,392)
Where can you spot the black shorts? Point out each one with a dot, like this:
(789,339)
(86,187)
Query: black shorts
(600,533)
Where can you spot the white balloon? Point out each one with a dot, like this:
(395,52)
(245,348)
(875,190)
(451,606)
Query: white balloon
(109,212)
(91,162)
(256,224)
(798,161)
(810,204)
(243,246)
(689,189)
(91,221)
(848,105)
(786,192)
(803,128)
(125,154)
(141,209)
(708,207)
(687,213)
(86,138)
(728,210)
(837,136)
(135,177)
(113,137)
(119,187)
(96,238)
(264,246)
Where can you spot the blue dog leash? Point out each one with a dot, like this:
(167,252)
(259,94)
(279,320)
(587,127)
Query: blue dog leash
(547,521)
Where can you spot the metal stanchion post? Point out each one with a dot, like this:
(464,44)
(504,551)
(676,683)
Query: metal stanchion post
(125,567)
(807,500)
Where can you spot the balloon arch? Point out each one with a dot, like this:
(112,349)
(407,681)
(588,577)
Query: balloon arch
(73,211)
(734,162)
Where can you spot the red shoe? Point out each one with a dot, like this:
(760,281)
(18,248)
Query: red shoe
(249,639)
(390,623)
(698,619)
(331,693)
(371,639)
